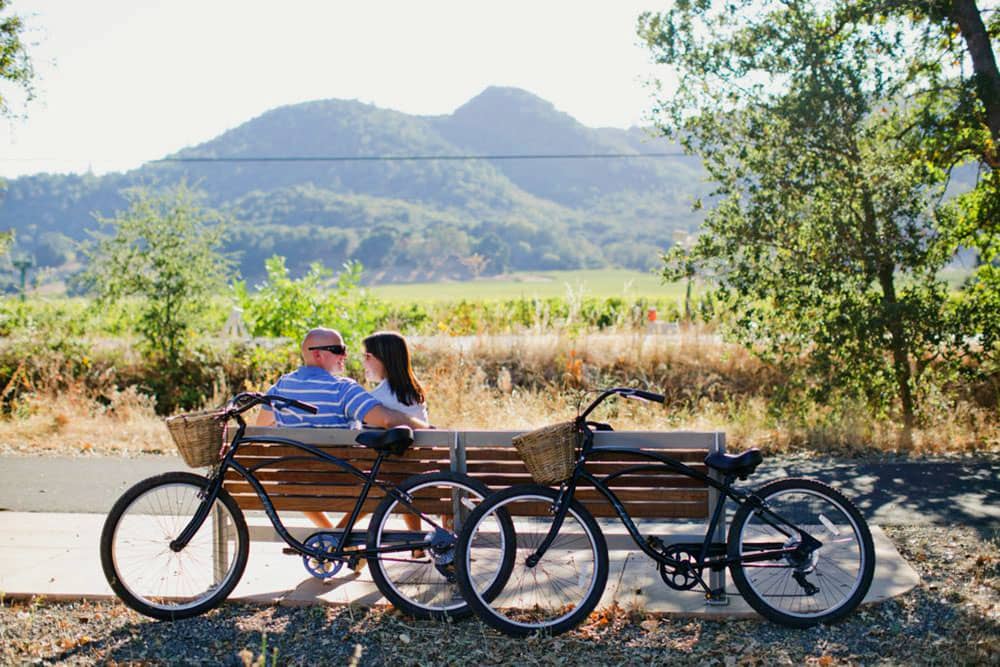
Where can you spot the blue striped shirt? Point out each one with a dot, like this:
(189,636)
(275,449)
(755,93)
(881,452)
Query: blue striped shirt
(342,402)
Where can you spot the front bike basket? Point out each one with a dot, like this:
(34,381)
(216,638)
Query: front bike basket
(549,452)
(198,435)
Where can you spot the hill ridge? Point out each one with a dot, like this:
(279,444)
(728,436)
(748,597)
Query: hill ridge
(434,217)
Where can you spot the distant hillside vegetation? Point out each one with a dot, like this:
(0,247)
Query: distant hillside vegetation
(405,220)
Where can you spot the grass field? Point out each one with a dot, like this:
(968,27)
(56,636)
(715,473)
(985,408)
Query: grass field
(597,283)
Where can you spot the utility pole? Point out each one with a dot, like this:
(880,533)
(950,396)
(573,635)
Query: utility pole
(23,265)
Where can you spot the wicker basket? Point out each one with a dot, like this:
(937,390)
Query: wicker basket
(548,452)
(198,436)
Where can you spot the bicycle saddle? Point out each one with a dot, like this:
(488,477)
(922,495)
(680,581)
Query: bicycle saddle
(741,465)
(394,440)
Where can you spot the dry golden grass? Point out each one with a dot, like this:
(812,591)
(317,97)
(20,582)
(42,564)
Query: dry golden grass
(70,423)
(521,382)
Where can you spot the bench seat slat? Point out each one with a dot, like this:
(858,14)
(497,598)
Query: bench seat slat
(274,490)
(321,466)
(325,477)
(509,453)
(356,453)
(601,509)
(652,510)
(597,468)
(497,480)
(286,503)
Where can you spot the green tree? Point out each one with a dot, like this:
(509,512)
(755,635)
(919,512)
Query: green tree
(823,241)
(287,307)
(6,241)
(15,63)
(165,250)
(959,116)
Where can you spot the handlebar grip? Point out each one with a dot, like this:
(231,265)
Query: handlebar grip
(272,399)
(308,407)
(648,395)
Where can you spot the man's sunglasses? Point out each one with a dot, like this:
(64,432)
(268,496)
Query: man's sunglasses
(336,349)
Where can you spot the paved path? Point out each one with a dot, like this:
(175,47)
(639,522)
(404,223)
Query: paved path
(51,511)
(911,492)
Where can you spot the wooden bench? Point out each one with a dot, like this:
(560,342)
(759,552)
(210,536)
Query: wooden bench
(304,485)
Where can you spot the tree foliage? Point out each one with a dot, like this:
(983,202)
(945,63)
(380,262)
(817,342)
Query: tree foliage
(164,249)
(825,240)
(15,63)
(286,307)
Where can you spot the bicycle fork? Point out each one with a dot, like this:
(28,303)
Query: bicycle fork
(559,509)
(208,498)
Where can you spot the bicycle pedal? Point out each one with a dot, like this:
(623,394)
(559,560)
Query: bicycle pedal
(289,551)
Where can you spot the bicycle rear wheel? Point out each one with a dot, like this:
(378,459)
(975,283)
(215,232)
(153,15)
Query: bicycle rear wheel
(420,579)
(802,590)
(147,574)
(553,595)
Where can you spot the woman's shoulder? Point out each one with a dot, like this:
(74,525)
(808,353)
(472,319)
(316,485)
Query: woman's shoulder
(382,390)
(383,393)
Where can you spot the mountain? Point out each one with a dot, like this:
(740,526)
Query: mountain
(404,219)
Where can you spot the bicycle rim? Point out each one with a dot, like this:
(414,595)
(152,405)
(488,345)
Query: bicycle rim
(553,595)
(168,584)
(840,570)
(421,581)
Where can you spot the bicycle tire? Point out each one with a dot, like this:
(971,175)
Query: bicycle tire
(565,585)
(841,571)
(423,586)
(146,574)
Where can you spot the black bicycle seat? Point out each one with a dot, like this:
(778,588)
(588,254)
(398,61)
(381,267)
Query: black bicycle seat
(741,465)
(395,440)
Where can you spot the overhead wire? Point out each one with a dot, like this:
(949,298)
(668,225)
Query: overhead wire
(414,158)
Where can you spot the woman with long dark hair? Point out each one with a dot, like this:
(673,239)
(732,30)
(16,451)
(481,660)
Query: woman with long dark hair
(387,361)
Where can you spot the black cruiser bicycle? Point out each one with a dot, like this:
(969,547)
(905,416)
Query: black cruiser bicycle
(175,545)
(799,552)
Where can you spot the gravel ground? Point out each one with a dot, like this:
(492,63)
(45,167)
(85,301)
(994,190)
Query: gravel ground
(952,617)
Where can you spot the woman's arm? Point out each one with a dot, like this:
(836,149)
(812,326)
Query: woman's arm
(383,417)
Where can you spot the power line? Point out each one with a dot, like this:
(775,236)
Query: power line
(418,158)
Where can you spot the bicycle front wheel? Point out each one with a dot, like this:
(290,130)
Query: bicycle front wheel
(413,546)
(802,589)
(549,596)
(147,574)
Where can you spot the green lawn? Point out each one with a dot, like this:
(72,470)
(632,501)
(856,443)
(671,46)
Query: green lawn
(598,283)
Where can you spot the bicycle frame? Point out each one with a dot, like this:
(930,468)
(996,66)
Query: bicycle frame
(711,555)
(228,462)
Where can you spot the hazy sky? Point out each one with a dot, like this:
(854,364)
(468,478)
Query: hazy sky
(126,81)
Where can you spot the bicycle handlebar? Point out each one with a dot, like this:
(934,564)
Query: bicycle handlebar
(255,398)
(625,392)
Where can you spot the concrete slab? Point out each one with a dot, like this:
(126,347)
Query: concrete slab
(57,556)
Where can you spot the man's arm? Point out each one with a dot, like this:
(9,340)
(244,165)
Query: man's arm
(383,417)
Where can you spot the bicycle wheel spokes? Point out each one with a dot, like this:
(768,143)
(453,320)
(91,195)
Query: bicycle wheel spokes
(803,587)
(554,594)
(420,578)
(155,579)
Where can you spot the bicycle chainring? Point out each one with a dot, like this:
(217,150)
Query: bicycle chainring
(682,578)
(327,543)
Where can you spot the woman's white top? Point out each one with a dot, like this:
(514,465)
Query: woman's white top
(383,394)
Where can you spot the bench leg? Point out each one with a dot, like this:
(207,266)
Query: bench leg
(220,538)
(717,579)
